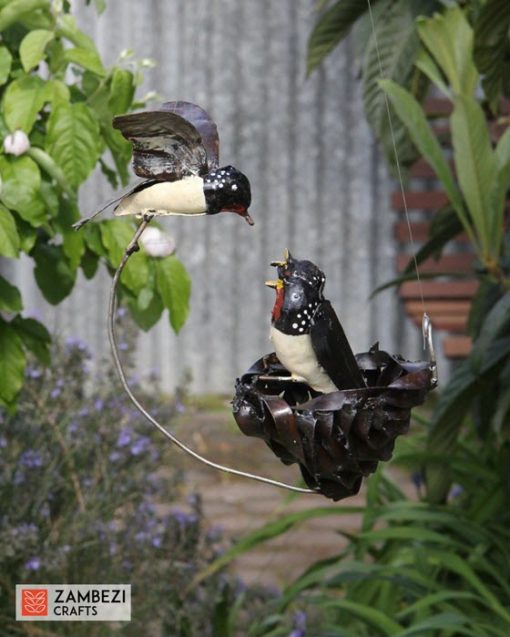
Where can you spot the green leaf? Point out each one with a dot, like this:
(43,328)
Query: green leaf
(492,47)
(89,263)
(73,140)
(477,171)
(502,181)
(375,618)
(52,272)
(32,47)
(9,237)
(488,351)
(429,68)
(441,621)
(116,235)
(21,181)
(67,28)
(27,235)
(12,363)
(146,317)
(413,116)
(331,28)
(5,64)
(495,326)
(10,297)
(449,38)
(85,58)
(174,286)
(35,337)
(122,90)
(22,101)
(390,54)
(17,9)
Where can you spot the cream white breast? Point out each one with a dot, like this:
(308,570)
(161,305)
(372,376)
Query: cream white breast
(296,354)
(183,197)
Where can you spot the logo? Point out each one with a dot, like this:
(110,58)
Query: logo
(34,602)
(73,602)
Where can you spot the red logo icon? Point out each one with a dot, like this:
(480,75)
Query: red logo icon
(34,602)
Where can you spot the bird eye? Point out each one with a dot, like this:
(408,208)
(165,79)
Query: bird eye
(295,296)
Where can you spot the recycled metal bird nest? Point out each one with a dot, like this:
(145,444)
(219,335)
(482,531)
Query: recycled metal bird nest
(339,437)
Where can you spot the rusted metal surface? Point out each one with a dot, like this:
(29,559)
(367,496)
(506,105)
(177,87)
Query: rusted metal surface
(336,438)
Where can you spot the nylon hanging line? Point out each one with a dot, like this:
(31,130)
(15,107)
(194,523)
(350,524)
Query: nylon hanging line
(426,326)
(131,248)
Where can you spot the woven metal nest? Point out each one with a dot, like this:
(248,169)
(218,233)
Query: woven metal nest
(339,437)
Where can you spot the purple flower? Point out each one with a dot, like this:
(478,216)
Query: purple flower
(33,564)
(83,412)
(114,456)
(140,445)
(31,459)
(121,311)
(215,533)
(76,343)
(124,437)
(24,529)
(299,620)
(123,346)
(32,372)
(456,491)
(3,442)
(182,518)
(98,405)
(55,393)
(73,427)
(156,541)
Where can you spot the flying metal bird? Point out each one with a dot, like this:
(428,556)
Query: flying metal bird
(176,152)
(306,333)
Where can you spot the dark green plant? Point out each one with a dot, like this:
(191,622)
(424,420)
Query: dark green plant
(391,49)
(414,568)
(85,498)
(55,131)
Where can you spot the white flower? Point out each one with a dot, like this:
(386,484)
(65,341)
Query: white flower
(16,143)
(157,243)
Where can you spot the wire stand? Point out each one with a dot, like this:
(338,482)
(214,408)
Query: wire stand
(131,249)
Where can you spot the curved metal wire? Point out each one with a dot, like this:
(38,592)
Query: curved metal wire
(131,248)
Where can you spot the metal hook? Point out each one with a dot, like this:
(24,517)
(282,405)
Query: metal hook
(428,346)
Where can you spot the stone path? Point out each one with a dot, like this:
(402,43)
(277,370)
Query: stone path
(239,506)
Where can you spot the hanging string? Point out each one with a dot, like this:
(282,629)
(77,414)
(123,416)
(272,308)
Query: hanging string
(399,171)
(131,249)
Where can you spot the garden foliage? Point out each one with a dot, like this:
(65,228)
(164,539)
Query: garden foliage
(57,101)
(85,498)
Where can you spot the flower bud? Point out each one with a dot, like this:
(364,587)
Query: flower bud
(157,243)
(16,143)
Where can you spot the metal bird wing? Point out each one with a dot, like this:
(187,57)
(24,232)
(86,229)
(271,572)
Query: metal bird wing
(177,140)
(205,126)
(333,350)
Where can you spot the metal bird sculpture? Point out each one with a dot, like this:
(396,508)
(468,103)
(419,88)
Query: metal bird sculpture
(306,333)
(176,152)
(314,402)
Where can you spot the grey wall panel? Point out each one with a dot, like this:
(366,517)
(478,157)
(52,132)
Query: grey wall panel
(319,185)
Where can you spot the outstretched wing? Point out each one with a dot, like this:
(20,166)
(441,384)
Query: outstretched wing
(205,126)
(166,144)
(333,350)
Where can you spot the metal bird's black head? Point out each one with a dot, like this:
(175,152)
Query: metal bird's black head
(299,292)
(226,189)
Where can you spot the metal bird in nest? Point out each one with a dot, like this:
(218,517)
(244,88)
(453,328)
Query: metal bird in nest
(176,152)
(317,404)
